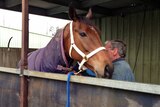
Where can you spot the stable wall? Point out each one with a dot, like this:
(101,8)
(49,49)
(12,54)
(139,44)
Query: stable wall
(10,57)
(49,90)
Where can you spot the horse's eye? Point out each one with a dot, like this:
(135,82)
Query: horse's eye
(83,34)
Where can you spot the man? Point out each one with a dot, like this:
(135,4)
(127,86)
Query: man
(117,53)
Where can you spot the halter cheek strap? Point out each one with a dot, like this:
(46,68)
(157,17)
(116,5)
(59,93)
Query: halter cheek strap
(85,57)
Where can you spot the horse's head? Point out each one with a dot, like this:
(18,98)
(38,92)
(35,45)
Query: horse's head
(83,44)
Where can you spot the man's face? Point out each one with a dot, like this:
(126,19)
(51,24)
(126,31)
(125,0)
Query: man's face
(113,53)
(110,51)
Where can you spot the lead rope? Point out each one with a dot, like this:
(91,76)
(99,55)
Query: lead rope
(68,89)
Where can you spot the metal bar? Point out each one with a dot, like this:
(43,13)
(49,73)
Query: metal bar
(24,51)
(23,92)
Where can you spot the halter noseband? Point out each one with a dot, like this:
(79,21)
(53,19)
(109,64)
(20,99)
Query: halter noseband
(85,57)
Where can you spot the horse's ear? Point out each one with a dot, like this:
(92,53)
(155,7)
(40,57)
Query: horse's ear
(89,14)
(72,13)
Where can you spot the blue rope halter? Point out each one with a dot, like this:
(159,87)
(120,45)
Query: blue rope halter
(68,89)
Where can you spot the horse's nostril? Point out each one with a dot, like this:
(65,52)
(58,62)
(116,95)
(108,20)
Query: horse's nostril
(106,68)
(108,72)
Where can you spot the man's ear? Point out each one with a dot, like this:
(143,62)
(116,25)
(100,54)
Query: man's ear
(115,51)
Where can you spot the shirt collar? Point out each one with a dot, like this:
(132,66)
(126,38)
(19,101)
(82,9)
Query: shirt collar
(119,59)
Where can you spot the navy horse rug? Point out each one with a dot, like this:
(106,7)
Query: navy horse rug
(50,58)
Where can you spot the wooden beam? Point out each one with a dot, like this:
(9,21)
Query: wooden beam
(90,3)
(131,86)
(127,10)
(9,70)
(124,85)
(62,9)
(102,11)
(59,2)
(2,3)
(12,3)
(57,10)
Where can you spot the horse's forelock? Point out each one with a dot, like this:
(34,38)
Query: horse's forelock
(90,23)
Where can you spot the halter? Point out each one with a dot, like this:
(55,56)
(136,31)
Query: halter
(85,57)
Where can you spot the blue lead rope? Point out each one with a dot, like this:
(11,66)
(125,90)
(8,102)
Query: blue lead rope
(68,89)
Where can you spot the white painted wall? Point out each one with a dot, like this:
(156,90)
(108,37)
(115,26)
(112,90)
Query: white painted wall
(41,29)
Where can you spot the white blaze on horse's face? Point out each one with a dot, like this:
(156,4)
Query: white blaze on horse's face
(92,28)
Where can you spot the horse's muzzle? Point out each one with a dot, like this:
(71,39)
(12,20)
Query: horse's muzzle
(108,71)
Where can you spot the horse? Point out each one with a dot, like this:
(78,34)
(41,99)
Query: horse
(78,41)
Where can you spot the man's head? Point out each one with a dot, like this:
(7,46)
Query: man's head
(116,49)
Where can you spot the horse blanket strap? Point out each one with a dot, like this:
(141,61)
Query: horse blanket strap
(60,67)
